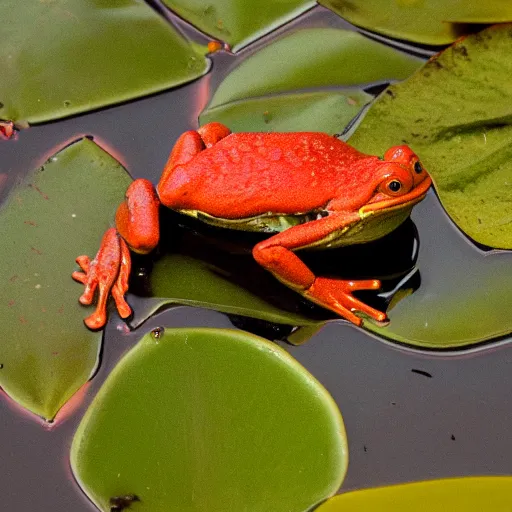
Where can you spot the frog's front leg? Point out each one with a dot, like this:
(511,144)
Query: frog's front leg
(276,255)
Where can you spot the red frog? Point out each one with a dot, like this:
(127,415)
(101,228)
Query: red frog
(308,190)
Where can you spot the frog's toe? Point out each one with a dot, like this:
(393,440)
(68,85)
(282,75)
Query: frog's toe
(357,305)
(96,321)
(364,284)
(84,261)
(81,277)
(102,274)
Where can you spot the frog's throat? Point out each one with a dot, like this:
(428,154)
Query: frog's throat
(408,200)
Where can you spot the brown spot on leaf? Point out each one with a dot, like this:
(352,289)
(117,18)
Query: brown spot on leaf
(43,195)
(462,51)
(119,503)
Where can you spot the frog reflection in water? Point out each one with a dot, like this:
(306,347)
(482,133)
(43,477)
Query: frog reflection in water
(309,190)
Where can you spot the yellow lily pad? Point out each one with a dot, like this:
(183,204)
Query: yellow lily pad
(470,494)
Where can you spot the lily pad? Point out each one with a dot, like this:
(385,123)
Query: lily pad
(213,268)
(63,57)
(180,279)
(238,22)
(456,113)
(273,88)
(462,300)
(210,420)
(318,111)
(434,22)
(471,494)
(53,215)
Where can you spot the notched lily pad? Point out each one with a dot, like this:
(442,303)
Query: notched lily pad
(311,79)
(63,57)
(54,214)
(238,22)
(210,420)
(456,113)
(434,22)
(471,494)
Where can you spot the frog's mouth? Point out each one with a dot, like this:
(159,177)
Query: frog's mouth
(405,201)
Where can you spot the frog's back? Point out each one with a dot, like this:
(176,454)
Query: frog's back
(249,174)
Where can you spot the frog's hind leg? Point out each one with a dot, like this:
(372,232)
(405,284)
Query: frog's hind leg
(211,133)
(137,229)
(276,255)
(174,182)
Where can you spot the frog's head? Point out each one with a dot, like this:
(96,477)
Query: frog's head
(401,181)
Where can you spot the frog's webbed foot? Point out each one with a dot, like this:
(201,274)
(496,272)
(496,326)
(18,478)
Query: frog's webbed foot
(276,255)
(108,272)
(336,295)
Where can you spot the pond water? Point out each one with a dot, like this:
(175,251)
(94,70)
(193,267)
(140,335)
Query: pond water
(409,414)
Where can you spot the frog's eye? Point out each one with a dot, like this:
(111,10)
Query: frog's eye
(394,186)
(418,169)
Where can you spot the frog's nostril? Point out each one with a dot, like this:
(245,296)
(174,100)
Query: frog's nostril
(418,168)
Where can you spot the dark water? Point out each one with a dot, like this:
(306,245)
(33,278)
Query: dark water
(409,415)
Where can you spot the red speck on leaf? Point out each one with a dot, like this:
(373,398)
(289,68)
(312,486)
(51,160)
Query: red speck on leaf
(6,130)
(214,46)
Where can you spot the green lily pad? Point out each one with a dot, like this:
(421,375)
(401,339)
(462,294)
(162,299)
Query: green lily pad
(456,113)
(433,22)
(319,111)
(63,57)
(180,279)
(49,218)
(214,268)
(272,89)
(238,22)
(471,494)
(210,420)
